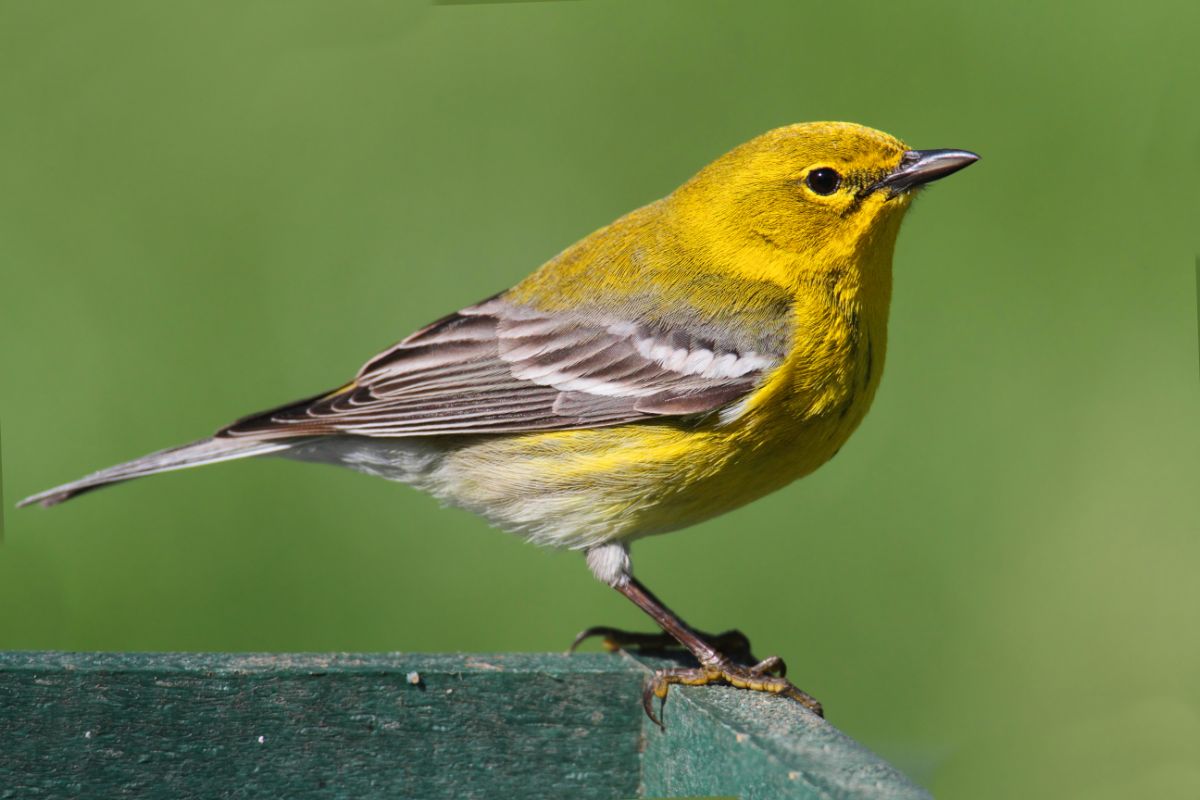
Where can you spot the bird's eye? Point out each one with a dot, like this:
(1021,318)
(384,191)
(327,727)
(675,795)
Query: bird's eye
(824,180)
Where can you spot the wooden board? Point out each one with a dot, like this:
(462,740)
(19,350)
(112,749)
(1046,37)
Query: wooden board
(403,726)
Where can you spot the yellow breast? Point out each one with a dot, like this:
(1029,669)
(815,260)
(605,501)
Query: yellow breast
(578,488)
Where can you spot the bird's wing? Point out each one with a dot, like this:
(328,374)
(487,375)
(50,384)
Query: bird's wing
(500,367)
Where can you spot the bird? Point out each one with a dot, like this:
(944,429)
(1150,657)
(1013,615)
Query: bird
(690,357)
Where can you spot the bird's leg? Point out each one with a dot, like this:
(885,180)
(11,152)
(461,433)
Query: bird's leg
(715,667)
(610,564)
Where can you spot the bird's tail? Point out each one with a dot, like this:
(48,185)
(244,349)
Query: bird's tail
(205,451)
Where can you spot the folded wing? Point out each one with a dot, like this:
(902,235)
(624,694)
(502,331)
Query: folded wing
(498,367)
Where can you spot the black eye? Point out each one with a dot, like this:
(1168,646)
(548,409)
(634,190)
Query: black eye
(823,180)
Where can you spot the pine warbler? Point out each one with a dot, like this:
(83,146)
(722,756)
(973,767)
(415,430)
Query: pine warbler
(690,357)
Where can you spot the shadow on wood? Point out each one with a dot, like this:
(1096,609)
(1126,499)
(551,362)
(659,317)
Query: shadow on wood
(405,725)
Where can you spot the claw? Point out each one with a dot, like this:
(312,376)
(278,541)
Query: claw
(654,688)
(757,678)
(609,641)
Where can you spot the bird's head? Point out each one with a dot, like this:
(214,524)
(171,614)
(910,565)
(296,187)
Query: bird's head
(827,192)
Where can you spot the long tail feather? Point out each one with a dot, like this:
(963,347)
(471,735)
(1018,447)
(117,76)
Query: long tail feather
(205,451)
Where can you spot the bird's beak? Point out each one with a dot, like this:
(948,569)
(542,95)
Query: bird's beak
(918,167)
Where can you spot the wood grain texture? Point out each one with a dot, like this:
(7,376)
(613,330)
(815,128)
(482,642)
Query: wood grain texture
(403,726)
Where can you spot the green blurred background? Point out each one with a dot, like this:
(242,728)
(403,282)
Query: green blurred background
(212,208)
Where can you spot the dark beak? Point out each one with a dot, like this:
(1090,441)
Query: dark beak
(918,167)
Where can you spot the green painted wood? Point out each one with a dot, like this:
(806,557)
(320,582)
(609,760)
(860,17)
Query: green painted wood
(308,726)
(401,726)
(720,740)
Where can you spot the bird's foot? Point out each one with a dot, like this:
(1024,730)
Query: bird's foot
(765,676)
(715,663)
(732,643)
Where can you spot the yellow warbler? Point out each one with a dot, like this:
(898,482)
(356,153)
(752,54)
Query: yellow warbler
(690,357)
